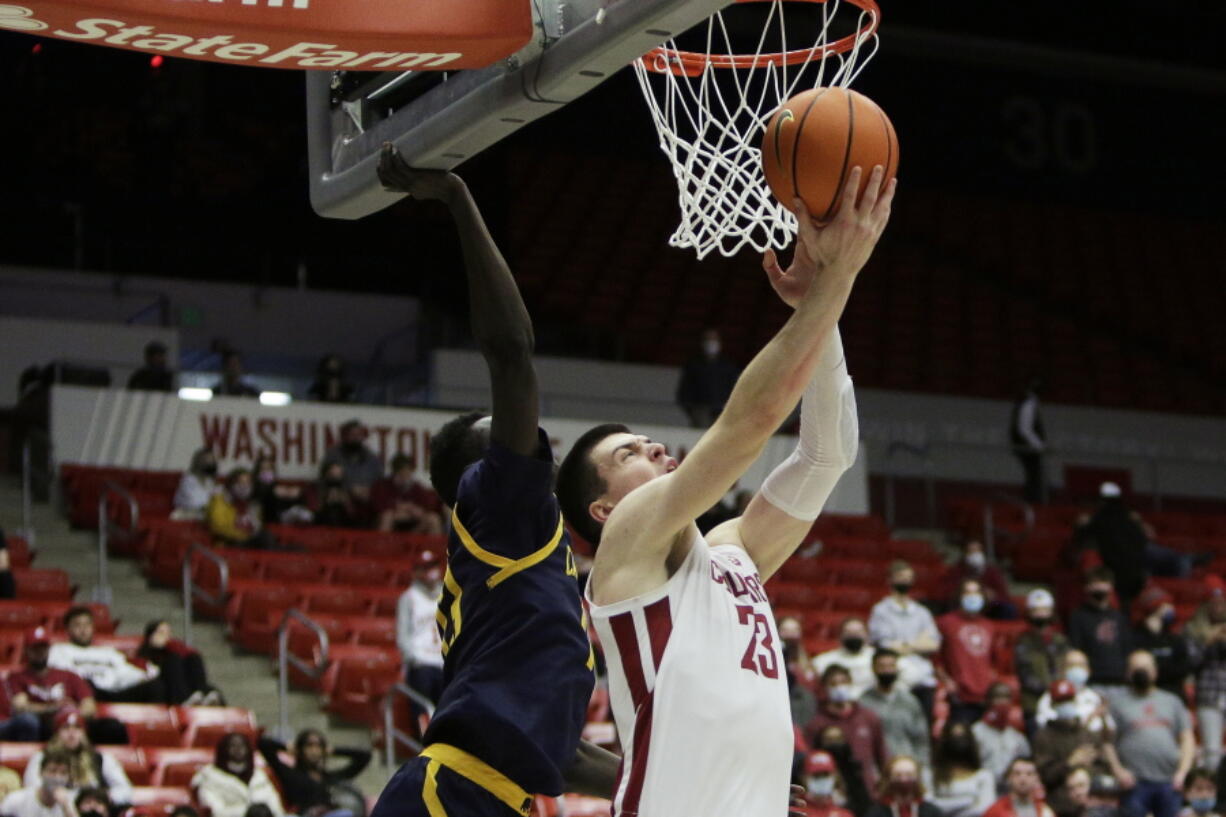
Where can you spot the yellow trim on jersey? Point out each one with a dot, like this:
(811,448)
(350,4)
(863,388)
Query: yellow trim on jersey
(479,772)
(429,791)
(507,567)
(454,613)
(591,651)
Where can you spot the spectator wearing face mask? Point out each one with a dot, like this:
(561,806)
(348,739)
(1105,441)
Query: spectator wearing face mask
(853,654)
(706,381)
(903,723)
(234,517)
(402,503)
(417,636)
(93,802)
(974,565)
(197,486)
(330,385)
(1092,708)
(1208,630)
(1024,796)
(860,725)
(1200,789)
(361,467)
(333,505)
(960,786)
(802,681)
(1154,746)
(1155,633)
(999,742)
(901,793)
(1038,652)
(822,787)
(280,502)
(1101,631)
(967,638)
(1065,743)
(905,626)
(854,794)
(49,797)
(87,766)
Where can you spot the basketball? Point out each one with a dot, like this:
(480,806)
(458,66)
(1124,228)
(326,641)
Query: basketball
(816,138)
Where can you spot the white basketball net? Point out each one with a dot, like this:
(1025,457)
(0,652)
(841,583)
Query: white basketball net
(711,125)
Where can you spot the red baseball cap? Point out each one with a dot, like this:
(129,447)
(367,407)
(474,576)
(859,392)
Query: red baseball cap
(36,636)
(1215,584)
(1063,690)
(819,763)
(69,717)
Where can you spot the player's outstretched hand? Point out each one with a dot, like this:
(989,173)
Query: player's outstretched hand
(797,807)
(396,175)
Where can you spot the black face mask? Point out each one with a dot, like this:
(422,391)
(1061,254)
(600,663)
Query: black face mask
(209,470)
(38,666)
(334,483)
(1139,679)
(1040,621)
(900,587)
(352,447)
(791,651)
(1100,596)
(90,812)
(853,644)
(887,679)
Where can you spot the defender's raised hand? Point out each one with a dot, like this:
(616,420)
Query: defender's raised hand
(396,176)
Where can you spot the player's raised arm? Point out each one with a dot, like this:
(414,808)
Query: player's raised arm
(642,528)
(500,321)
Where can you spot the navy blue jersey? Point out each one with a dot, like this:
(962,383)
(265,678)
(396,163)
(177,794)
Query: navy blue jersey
(518,664)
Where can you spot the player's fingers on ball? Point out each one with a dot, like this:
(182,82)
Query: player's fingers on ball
(847,206)
(873,191)
(887,198)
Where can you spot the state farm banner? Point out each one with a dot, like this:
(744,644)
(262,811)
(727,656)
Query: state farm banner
(370,35)
(156,431)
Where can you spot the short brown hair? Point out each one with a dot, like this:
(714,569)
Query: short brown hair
(580,483)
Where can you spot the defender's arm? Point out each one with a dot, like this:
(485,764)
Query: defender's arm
(593,772)
(500,321)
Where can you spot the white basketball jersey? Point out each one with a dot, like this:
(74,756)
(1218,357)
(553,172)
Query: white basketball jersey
(699,693)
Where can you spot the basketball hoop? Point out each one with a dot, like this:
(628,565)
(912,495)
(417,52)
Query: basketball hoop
(710,106)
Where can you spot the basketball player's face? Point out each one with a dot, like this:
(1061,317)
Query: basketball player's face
(626,461)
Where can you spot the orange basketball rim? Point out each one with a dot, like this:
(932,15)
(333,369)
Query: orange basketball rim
(366,35)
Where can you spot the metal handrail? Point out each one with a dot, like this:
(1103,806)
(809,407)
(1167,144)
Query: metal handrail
(392,735)
(989,519)
(930,493)
(193,591)
(284,659)
(27,493)
(102,593)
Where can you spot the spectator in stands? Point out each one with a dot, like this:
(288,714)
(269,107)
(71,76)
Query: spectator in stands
(901,792)
(855,792)
(232,782)
(181,668)
(417,635)
(17,726)
(400,502)
(901,624)
(109,672)
(860,726)
(1029,441)
(1119,538)
(45,692)
(1086,796)
(333,506)
(87,767)
(1038,652)
(853,654)
(967,639)
(1065,743)
(974,565)
(49,797)
(232,383)
(1024,797)
(1154,746)
(1208,630)
(234,517)
(362,467)
(1101,631)
(802,681)
(8,587)
(1200,789)
(960,786)
(330,385)
(93,802)
(821,784)
(903,723)
(998,741)
(310,788)
(1091,707)
(155,375)
(1155,633)
(280,502)
(706,381)
(197,486)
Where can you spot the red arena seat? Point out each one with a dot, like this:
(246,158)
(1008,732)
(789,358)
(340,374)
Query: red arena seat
(148,724)
(17,755)
(43,585)
(176,766)
(204,725)
(164,798)
(132,758)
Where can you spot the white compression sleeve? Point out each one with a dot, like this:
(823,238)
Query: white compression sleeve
(829,440)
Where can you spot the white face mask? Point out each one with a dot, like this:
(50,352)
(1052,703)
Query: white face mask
(842,693)
(821,786)
(1067,711)
(976,561)
(972,602)
(1078,676)
(53,782)
(710,348)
